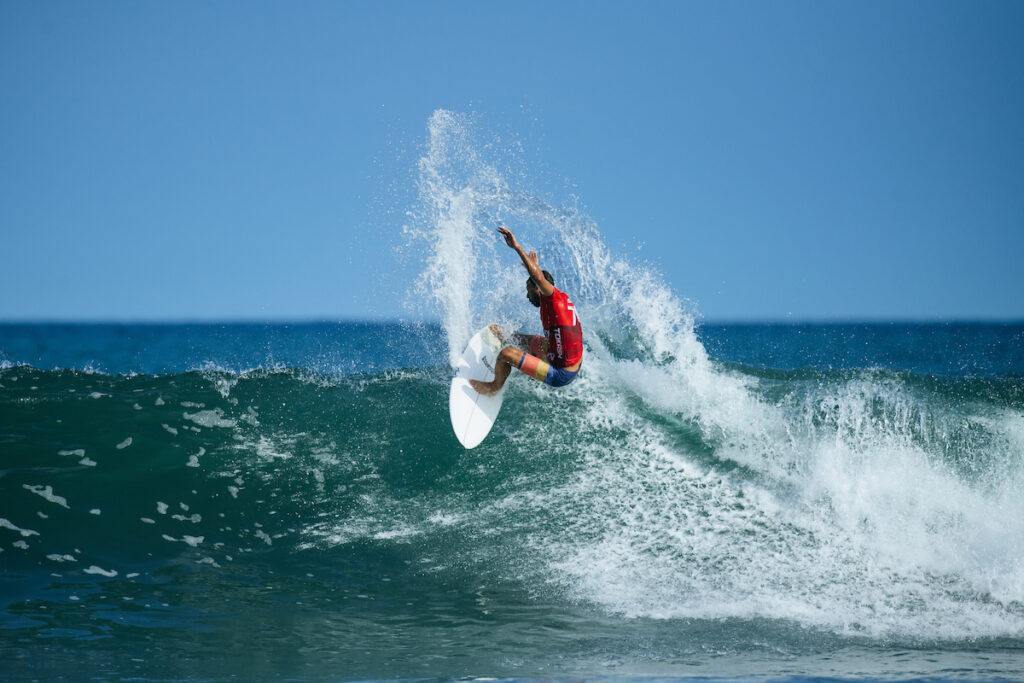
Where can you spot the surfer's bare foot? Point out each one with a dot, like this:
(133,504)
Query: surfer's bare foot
(485,388)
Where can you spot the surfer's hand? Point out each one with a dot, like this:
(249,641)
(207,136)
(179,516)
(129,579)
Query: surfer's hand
(510,239)
(498,332)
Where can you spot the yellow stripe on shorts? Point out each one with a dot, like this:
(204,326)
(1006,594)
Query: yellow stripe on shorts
(534,367)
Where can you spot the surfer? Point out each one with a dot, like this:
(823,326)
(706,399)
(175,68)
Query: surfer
(562,343)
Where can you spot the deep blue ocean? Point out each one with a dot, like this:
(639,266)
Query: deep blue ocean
(270,501)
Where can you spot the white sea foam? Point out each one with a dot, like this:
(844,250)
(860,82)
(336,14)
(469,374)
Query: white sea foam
(210,418)
(62,558)
(193,460)
(93,569)
(46,492)
(7,524)
(188,540)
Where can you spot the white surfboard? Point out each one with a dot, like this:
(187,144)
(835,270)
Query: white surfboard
(472,413)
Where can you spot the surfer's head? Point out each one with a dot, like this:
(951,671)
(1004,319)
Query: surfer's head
(531,288)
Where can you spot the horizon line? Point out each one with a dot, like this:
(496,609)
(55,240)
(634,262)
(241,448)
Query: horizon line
(699,321)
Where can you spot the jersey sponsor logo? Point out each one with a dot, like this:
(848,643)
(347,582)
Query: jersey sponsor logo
(562,325)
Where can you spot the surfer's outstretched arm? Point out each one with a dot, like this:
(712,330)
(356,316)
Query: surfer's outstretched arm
(530,261)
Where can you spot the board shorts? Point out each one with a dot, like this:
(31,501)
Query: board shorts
(543,371)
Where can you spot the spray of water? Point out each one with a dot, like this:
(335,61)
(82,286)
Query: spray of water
(703,494)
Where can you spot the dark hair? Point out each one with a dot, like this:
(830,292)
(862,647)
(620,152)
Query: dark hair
(547,276)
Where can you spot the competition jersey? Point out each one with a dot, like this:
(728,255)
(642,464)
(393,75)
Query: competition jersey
(563,329)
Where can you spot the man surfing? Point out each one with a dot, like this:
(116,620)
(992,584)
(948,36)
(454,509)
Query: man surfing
(562,343)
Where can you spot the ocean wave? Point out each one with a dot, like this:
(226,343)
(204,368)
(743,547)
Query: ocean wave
(865,502)
(662,485)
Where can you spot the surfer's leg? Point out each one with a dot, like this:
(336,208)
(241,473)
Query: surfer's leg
(534,367)
(508,357)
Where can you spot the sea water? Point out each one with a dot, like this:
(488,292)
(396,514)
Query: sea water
(287,501)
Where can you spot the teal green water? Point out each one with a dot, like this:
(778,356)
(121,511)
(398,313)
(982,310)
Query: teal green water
(326,525)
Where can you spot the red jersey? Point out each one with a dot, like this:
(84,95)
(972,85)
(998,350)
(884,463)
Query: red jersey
(563,329)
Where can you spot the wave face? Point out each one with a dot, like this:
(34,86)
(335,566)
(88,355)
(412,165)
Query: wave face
(258,501)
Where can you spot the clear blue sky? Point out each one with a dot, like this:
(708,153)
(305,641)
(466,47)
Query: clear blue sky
(226,160)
